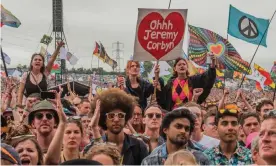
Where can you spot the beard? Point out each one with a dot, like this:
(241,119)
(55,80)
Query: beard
(116,131)
(178,140)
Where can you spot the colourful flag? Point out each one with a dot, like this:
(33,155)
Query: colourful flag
(273,72)
(268,81)
(7,18)
(219,83)
(247,27)
(56,68)
(203,41)
(220,73)
(97,50)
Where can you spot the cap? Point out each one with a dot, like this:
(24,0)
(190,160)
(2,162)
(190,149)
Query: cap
(8,153)
(42,105)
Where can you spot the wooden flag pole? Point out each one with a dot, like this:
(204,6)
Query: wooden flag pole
(153,97)
(256,50)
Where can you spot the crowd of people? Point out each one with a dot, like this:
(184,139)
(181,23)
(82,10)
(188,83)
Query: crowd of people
(183,122)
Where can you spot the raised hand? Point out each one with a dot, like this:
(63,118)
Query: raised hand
(197,91)
(226,91)
(121,82)
(60,44)
(60,112)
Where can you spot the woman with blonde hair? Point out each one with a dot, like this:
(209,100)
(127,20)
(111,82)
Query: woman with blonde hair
(136,86)
(181,157)
(105,153)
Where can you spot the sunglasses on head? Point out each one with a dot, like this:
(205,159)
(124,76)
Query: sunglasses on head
(233,111)
(150,115)
(40,116)
(73,118)
(120,115)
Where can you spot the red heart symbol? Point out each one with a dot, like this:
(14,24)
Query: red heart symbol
(158,36)
(216,49)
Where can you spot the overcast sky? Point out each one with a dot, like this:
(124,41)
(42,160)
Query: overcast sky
(108,21)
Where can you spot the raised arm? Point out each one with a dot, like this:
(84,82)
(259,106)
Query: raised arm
(53,58)
(246,102)
(222,101)
(94,124)
(54,151)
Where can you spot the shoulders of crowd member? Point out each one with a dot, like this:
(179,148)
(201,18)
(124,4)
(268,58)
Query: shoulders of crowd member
(201,158)
(155,158)
(197,146)
(210,154)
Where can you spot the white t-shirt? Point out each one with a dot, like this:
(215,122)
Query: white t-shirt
(209,142)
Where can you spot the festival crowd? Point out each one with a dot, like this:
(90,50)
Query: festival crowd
(183,122)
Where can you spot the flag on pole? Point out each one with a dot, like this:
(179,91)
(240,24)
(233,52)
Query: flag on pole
(7,18)
(247,27)
(203,41)
(6,58)
(273,72)
(268,81)
(97,49)
(71,58)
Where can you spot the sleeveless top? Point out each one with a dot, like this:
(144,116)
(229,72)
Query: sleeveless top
(181,93)
(32,88)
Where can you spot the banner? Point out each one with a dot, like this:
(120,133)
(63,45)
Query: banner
(247,27)
(159,34)
(203,41)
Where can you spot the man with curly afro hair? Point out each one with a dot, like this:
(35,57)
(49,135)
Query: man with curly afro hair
(116,108)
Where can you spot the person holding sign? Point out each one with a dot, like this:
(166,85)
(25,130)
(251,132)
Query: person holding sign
(181,86)
(136,86)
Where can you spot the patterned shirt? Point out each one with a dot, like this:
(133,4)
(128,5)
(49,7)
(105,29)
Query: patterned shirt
(241,156)
(181,92)
(160,155)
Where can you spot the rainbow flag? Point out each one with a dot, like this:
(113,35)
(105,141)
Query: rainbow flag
(7,18)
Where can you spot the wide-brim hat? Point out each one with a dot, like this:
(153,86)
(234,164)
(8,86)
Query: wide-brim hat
(43,105)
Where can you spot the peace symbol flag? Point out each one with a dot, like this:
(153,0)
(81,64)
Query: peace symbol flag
(203,41)
(247,27)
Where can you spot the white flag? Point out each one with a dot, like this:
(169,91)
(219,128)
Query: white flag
(63,53)
(71,58)
(6,58)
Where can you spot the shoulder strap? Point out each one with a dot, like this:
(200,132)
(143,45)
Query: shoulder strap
(36,81)
(24,91)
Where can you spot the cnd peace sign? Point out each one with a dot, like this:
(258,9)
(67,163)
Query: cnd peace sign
(248,28)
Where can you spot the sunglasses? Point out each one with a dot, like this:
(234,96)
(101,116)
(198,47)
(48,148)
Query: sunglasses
(9,117)
(271,113)
(150,115)
(233,111)
(73,118)
(40,116)
(120,115)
